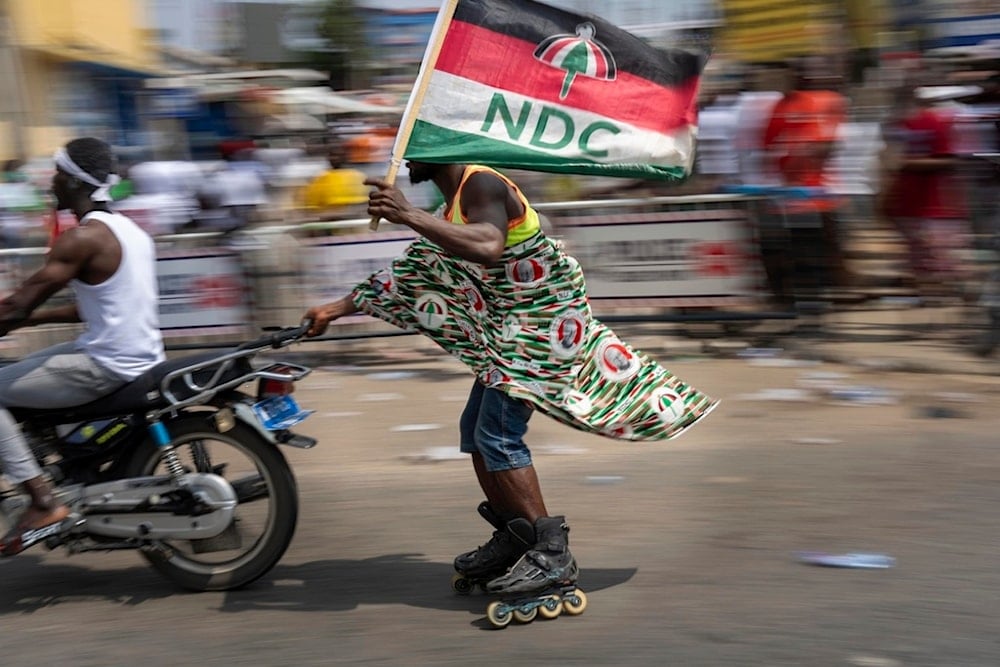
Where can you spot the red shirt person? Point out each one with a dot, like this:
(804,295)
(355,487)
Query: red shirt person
(799,140)
(924,195)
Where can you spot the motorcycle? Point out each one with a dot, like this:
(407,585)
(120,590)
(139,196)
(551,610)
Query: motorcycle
(181,464)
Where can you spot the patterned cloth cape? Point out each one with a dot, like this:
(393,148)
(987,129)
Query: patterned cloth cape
(525,326)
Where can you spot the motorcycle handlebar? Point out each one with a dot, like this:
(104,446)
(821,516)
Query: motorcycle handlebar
(279,338)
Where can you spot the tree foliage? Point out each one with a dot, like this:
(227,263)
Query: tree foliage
(342,25)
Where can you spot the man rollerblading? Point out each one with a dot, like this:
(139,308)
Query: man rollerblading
(489,286)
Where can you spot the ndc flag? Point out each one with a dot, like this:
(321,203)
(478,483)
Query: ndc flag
(520,84)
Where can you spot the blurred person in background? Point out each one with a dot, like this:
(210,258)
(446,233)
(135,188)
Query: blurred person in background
(234,196)
(922,195)
(370,149)
(799,140)
(978,136)
(21,207)
(110,264)
(752,116)
(717,161)
(164,195)
(337,193)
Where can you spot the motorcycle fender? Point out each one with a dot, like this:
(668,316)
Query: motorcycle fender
(246,415)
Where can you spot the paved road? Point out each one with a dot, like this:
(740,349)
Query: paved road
(687,548)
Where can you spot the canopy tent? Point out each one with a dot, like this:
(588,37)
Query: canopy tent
(323,100)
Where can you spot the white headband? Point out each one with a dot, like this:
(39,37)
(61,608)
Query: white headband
(102,193)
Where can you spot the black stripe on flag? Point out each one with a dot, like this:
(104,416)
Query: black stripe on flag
(535,22)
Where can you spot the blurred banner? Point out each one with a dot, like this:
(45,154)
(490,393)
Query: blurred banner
(202,293)
(774,30)
(334,265)
(662,255)
(520,84)
(955,23)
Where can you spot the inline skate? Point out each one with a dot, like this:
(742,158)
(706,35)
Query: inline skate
(478,567)
(542,582)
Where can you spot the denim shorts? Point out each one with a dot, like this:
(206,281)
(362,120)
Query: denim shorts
(494,425)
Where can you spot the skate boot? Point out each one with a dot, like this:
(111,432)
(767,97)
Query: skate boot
(542,582)
(479,566)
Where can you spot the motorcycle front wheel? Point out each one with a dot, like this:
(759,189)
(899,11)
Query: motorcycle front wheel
(265,518)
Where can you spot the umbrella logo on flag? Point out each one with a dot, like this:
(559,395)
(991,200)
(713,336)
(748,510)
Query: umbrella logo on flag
(578,54)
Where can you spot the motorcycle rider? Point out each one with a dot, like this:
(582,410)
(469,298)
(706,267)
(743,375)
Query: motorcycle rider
(110,265)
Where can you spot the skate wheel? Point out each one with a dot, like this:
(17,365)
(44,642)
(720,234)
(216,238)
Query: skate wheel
(497,615)
(525,616)
(575,603)
(551,608)
(461,585)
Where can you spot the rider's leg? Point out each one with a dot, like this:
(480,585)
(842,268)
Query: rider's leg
(20,467)
(57,376)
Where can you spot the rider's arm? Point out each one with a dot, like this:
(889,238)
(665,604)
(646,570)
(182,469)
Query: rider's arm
(66,259)
(67,313)
(484,200)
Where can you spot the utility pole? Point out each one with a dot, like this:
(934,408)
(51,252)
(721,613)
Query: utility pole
(12,97)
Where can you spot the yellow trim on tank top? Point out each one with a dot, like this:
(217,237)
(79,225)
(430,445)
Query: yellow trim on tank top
(519,229)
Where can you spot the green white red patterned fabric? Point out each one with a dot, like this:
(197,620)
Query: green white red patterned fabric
(525,326)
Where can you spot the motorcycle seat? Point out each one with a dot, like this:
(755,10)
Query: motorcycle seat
(143,393)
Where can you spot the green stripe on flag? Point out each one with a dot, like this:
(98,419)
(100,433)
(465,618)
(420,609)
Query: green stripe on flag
(432,143)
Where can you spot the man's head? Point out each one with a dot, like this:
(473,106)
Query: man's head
(84,169)
(422,171)
(13,171)
(336,155)
(814,72)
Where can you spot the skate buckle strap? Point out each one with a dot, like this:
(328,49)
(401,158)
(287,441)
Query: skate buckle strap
(540,559)
(551,547)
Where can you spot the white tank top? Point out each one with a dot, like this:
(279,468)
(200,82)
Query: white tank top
(122,313)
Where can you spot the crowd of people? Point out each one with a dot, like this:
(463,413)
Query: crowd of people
(918,158)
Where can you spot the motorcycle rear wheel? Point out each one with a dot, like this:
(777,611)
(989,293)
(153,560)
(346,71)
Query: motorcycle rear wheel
(265,518)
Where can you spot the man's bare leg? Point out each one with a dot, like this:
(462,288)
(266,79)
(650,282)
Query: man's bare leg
(511,493)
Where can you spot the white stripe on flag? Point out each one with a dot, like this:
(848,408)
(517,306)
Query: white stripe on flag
(462,105)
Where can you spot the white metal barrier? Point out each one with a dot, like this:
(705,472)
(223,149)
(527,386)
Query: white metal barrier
(640,256)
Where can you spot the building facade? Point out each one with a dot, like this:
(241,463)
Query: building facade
(71,68)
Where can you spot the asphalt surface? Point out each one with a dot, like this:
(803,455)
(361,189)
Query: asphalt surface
(689,549)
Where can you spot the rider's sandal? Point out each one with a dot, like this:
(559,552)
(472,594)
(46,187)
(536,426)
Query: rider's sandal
(29,531)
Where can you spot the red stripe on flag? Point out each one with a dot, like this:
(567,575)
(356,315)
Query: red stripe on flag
(507,63)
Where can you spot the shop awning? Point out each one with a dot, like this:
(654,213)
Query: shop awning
(320,99)
(104,63)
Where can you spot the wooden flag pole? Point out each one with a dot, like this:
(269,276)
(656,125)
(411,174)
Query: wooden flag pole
(417,95)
